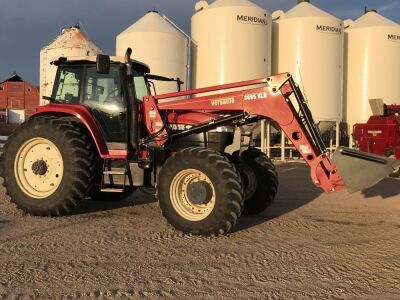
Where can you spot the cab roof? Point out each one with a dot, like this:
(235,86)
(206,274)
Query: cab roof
(79,60)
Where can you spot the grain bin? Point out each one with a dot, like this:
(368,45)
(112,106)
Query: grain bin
(71,42)
(159,43)
(231,42)
(372,65)
(308,43)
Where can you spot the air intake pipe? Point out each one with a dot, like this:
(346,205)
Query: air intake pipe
(133,107)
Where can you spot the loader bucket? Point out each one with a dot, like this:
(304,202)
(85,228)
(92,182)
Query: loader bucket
(361,170)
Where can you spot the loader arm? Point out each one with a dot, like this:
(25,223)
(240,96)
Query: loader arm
(267,98)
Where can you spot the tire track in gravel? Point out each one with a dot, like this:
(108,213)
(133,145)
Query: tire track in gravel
(10,245)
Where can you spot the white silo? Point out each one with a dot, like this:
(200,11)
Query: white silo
(308,43)
(71,42)
(159,43)
(231,42)
(372,65)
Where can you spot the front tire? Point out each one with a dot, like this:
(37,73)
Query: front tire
(200,192)
(48,166)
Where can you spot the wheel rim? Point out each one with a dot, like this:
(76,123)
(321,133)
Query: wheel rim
(181,201)
(38,168)
(249,181)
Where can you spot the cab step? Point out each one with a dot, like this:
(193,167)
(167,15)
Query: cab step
(116,172)
(114,176)
(112,190)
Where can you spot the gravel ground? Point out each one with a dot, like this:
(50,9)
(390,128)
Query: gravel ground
(307,245)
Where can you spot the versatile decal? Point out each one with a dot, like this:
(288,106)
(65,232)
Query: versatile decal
(224,101)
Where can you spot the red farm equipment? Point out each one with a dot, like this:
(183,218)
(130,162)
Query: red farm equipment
(103,133)
(381,134)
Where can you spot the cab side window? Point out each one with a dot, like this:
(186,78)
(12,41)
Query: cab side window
(141,87)
(67,87)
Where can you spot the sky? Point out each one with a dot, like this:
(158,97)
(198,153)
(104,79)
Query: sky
(28,25)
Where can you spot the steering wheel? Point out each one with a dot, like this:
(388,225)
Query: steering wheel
(112,92)
(112,99)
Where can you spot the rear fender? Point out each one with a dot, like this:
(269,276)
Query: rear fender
(83,115)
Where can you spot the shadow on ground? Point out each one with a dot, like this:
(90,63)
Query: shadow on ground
(387,188)
(295,190)
(97,205)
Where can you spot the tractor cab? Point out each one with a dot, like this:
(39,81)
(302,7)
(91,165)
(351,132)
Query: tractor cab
(102,89)
(110,89)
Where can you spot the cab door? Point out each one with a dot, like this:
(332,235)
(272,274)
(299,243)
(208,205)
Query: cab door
(104,95)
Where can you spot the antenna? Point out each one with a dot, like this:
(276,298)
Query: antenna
(77,24)
(366,10)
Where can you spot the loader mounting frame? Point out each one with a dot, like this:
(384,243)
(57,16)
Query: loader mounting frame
(265,98)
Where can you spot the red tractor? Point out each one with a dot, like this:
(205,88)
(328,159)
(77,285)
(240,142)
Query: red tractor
(381,134)
(104,133)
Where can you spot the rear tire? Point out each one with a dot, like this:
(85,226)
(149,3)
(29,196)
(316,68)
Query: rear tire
(259,178)
(200,192)
(48,166)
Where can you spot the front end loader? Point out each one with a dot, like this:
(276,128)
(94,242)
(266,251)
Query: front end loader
(104,133)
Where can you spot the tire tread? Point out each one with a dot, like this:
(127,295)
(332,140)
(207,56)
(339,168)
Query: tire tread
(82,157)
(228,176)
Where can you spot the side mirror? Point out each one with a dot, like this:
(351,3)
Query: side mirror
(103,64)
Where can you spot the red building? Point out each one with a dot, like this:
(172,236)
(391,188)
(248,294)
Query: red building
(18,99)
